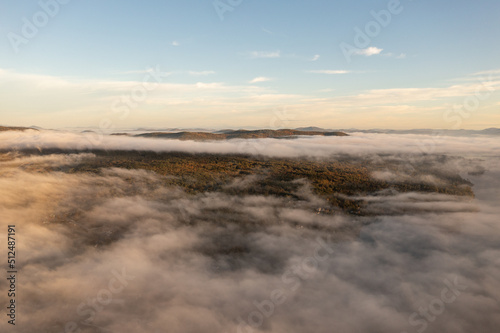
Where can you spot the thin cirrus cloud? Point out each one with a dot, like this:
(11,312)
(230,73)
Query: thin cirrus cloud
(265,54)
(329,71)
(261,79)
(201,73)
(218,98)
(141,71)
(397,56)
(316,57)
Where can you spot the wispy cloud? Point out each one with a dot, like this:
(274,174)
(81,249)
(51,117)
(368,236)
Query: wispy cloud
(265,54)
(261,79)
(85,99)
(141,71)
(493,71)
(201,73)
(397,56)
(329,71)
(175,43)
(372,50)
(316,57)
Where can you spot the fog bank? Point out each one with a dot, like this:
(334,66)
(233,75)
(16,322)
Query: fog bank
(119,252)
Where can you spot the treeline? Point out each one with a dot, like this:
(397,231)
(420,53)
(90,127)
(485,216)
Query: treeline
(333,180)
(238,134)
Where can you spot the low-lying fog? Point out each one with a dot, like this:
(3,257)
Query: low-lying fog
(116,252)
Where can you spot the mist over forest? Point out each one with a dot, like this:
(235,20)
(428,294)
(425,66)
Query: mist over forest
(360,233)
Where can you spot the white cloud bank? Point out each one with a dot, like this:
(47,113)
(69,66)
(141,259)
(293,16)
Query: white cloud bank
(83,101)
(120,252)
(317,147)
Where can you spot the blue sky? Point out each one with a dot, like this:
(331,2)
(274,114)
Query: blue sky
(431,64)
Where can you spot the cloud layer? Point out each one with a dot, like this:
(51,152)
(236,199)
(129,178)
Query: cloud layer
(318,147)
(120,252)
(176,100)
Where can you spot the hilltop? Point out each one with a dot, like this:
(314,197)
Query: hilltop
(8,128)
(237,134)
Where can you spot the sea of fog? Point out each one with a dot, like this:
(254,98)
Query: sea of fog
(211,262)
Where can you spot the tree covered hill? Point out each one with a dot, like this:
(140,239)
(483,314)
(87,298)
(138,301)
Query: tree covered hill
(238,134)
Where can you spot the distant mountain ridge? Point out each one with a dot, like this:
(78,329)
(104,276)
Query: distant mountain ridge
(238,134)
(424,131)
(9,128)
(460,132)
(312,128)
(213,134)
